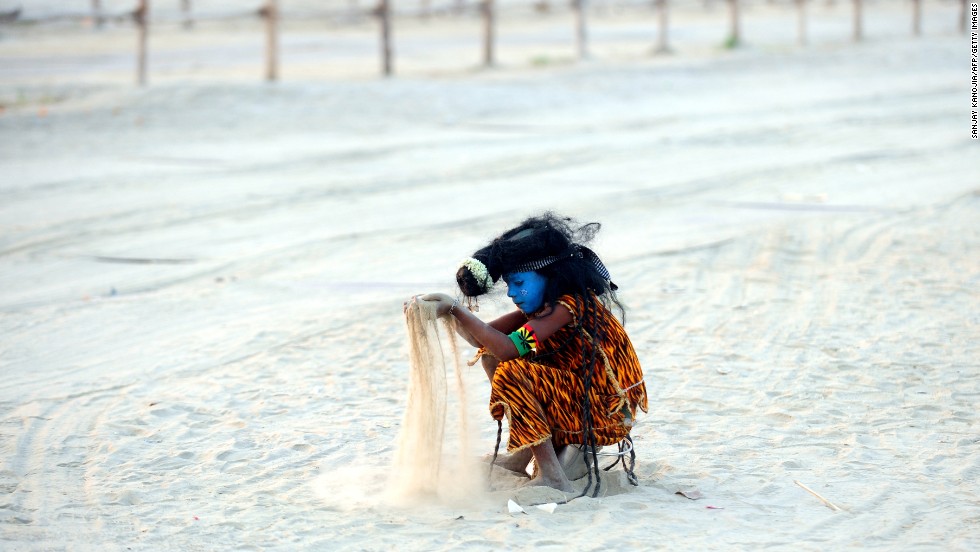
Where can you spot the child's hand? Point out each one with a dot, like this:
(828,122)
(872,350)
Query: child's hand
(411,300)
(445,302)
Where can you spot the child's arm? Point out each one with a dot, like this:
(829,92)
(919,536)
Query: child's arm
(505,324)
(496,341)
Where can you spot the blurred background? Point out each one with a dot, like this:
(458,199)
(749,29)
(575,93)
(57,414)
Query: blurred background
(222,40)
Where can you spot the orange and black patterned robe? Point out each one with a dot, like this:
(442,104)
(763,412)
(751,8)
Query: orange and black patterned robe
(541,393)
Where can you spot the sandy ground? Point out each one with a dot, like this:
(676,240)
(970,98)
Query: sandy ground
(201,285)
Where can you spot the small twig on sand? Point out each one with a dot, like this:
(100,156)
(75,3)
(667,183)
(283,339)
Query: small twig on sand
(829,504)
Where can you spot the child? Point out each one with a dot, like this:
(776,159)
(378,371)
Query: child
(561,367)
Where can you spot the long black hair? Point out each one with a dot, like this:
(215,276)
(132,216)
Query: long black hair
(554,247)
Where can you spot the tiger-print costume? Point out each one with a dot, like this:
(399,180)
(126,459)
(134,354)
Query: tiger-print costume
(541,393)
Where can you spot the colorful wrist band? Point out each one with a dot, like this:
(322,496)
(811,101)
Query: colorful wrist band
(524,339)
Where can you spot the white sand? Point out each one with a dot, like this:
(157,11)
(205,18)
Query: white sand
(794,232)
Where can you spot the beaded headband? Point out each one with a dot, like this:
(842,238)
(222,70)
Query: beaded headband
(576,251)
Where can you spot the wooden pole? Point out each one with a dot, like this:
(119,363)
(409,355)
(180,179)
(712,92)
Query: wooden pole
(735,34)
(97,13)
(141,16)
(488,9)
(858,34)
(185,7)
(582,39)
(801,23)
(662,15)
(271,14)
(917,17)
(384,14)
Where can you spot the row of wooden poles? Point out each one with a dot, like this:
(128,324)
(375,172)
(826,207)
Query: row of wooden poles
(271,14)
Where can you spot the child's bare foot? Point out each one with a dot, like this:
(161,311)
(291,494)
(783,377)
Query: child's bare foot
(550,472)
(516,462)
(561,483)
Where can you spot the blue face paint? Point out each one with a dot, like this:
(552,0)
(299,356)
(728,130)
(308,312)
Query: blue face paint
(526,289)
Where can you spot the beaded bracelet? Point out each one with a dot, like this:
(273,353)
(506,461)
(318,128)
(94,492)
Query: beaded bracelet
(453,307)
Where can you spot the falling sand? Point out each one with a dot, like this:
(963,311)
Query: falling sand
(418,463)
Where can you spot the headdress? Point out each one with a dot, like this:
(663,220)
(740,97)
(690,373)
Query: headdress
(546,243)
(579,251)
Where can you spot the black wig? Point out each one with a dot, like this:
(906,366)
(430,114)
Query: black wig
(552,246)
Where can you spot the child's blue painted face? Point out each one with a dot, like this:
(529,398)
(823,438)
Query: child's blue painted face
(526,289)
